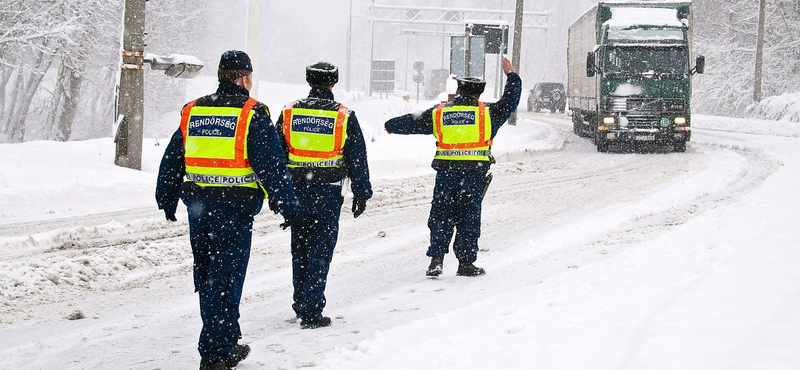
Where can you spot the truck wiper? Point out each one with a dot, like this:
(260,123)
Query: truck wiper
(649,104)
(671,76)
(619,75)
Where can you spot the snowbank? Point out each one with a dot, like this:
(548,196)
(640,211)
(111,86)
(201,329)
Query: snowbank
(785,107)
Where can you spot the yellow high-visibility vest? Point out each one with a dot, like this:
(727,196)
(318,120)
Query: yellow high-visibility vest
(463,132)
(215,144)
(315,137)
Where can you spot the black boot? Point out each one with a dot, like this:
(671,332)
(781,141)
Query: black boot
(321,323)
(435,268)
(238,353)
(207,364)
(468,269)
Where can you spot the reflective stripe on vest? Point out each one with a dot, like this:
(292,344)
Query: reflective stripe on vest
(315,137)
(215,145)
(462,132)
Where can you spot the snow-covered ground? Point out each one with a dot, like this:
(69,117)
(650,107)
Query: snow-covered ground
(594,261)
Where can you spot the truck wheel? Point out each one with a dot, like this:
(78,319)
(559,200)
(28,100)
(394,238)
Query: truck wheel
(679,146)
(577,123)
(602,145)
(601,142)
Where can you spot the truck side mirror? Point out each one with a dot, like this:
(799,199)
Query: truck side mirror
(700,64)
(590,69)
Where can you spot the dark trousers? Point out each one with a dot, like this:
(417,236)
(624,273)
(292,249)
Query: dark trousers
(315,230)
(456,206)
(220,232)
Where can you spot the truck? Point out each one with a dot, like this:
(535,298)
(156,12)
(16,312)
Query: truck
(629,78)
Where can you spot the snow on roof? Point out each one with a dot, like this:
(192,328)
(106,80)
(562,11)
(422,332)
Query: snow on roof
(622,17)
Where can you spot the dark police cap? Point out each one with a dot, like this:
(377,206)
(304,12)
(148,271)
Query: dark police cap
(322,74)
(471,85)
(235,60)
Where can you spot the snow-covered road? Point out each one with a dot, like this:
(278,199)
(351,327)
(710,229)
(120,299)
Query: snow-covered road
(594,260)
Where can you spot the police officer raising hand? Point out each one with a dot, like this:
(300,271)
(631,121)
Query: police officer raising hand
(464,129)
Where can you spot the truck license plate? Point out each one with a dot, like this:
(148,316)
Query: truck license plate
(644,138)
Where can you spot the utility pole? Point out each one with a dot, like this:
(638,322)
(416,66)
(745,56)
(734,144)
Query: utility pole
(129,105)
(130,98)
(515,53)
(759,52)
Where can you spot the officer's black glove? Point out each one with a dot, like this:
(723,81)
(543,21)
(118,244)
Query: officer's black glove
(359,206)
(273,205)
(288,222)
(170,216)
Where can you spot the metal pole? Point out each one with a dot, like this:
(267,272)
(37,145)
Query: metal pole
(405,87)
(349,40)
(252,41)
(517,47)
(371,47)
(759,52)
(499,69)
(467,71)
(130,99)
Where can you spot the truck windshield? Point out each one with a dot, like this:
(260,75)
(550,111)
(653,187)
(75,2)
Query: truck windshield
(635,62)
(627,34)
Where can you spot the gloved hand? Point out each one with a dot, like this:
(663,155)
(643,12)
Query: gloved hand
(273,205)
(359,206)
(288,222)
(170,216)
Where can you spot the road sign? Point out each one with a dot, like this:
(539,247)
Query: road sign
(419,66)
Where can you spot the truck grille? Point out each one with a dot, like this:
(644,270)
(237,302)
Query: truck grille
(642,122)
(644,106)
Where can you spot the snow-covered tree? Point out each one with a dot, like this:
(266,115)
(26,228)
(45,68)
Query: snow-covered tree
(59,60)
(726,33)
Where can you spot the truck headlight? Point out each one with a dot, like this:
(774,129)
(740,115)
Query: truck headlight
(680,120)
(608,123)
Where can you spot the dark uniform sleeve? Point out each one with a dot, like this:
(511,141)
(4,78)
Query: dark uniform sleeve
(501,110)
(281,137)
(412,123)
(268,161)
(355,157)
(170,175)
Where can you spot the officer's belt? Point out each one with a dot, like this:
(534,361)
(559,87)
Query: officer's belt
(328,163)
(465,153)
(222,179)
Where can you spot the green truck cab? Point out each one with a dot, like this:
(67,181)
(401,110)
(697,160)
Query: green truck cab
(629,73)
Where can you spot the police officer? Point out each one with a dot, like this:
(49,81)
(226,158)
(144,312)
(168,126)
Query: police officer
(228,151)
(464,129)
(324,145)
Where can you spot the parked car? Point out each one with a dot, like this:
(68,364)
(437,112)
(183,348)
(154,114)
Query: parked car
(547,95)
